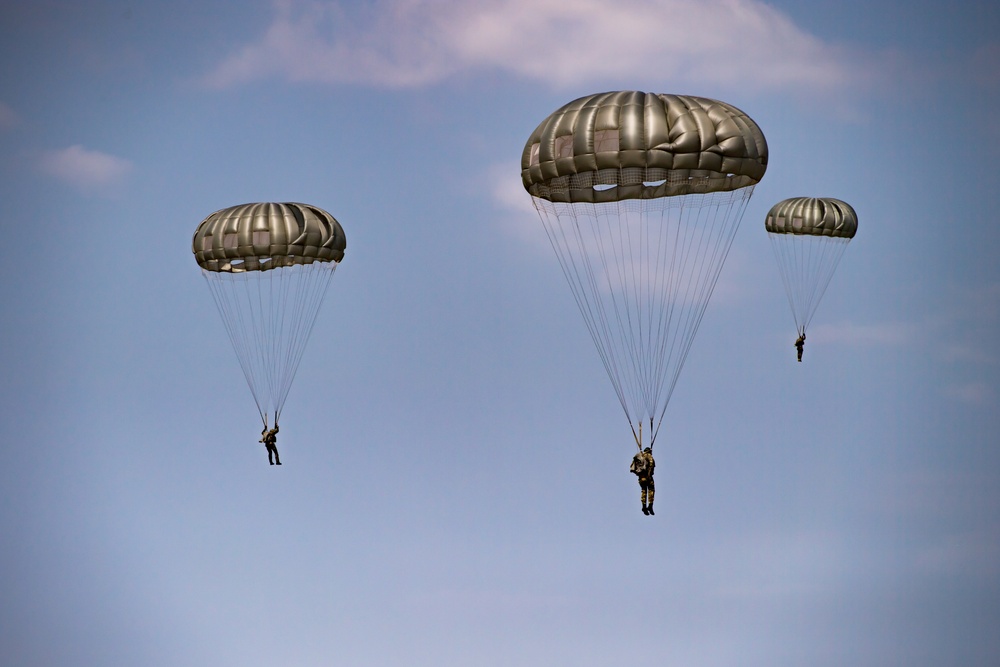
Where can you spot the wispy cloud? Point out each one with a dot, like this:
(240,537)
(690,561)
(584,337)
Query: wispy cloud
(8,118)
(519,218)
(405,43)
(85,169)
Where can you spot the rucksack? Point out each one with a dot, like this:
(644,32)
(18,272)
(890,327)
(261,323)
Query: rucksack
(639,464)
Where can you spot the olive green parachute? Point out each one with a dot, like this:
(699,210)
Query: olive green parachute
(268,266)
(812,217)
(258,237)
(809,236)
(642,146)
(641,195)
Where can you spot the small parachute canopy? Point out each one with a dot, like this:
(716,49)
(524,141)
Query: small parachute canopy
(812,216)
(634,145)
(259,237)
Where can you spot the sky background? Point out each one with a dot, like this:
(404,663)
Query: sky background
(455,488)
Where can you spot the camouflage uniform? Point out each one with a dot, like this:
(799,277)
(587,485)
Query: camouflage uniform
(642,466)
(800,343)
(270,438)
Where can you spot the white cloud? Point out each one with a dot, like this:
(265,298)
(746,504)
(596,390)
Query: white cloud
(402,43)
(519,218)
(8,118)
(85,169)
(508,190)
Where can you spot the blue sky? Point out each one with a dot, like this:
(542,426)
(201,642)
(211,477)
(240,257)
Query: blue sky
(455,488)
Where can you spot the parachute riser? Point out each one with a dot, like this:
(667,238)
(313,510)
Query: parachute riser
(638,436)
(265,417)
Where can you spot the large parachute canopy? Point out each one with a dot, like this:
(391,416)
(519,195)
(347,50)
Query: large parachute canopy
(809,236)
(268,266)
(641,195)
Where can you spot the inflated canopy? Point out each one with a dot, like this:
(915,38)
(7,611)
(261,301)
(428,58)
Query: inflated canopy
(634,145)
(259,237)
(812,216)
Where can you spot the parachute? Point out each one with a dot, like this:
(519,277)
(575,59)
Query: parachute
(641,195)
(809,236)
(268,266)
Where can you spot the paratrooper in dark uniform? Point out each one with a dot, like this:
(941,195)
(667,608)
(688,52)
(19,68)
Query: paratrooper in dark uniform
(642,467)
(270,438)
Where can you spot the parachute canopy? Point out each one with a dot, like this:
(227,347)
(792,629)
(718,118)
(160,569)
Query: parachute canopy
(634,145)
(808,236)
(258,237)
(268,266)
(813,217)
(641,195)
